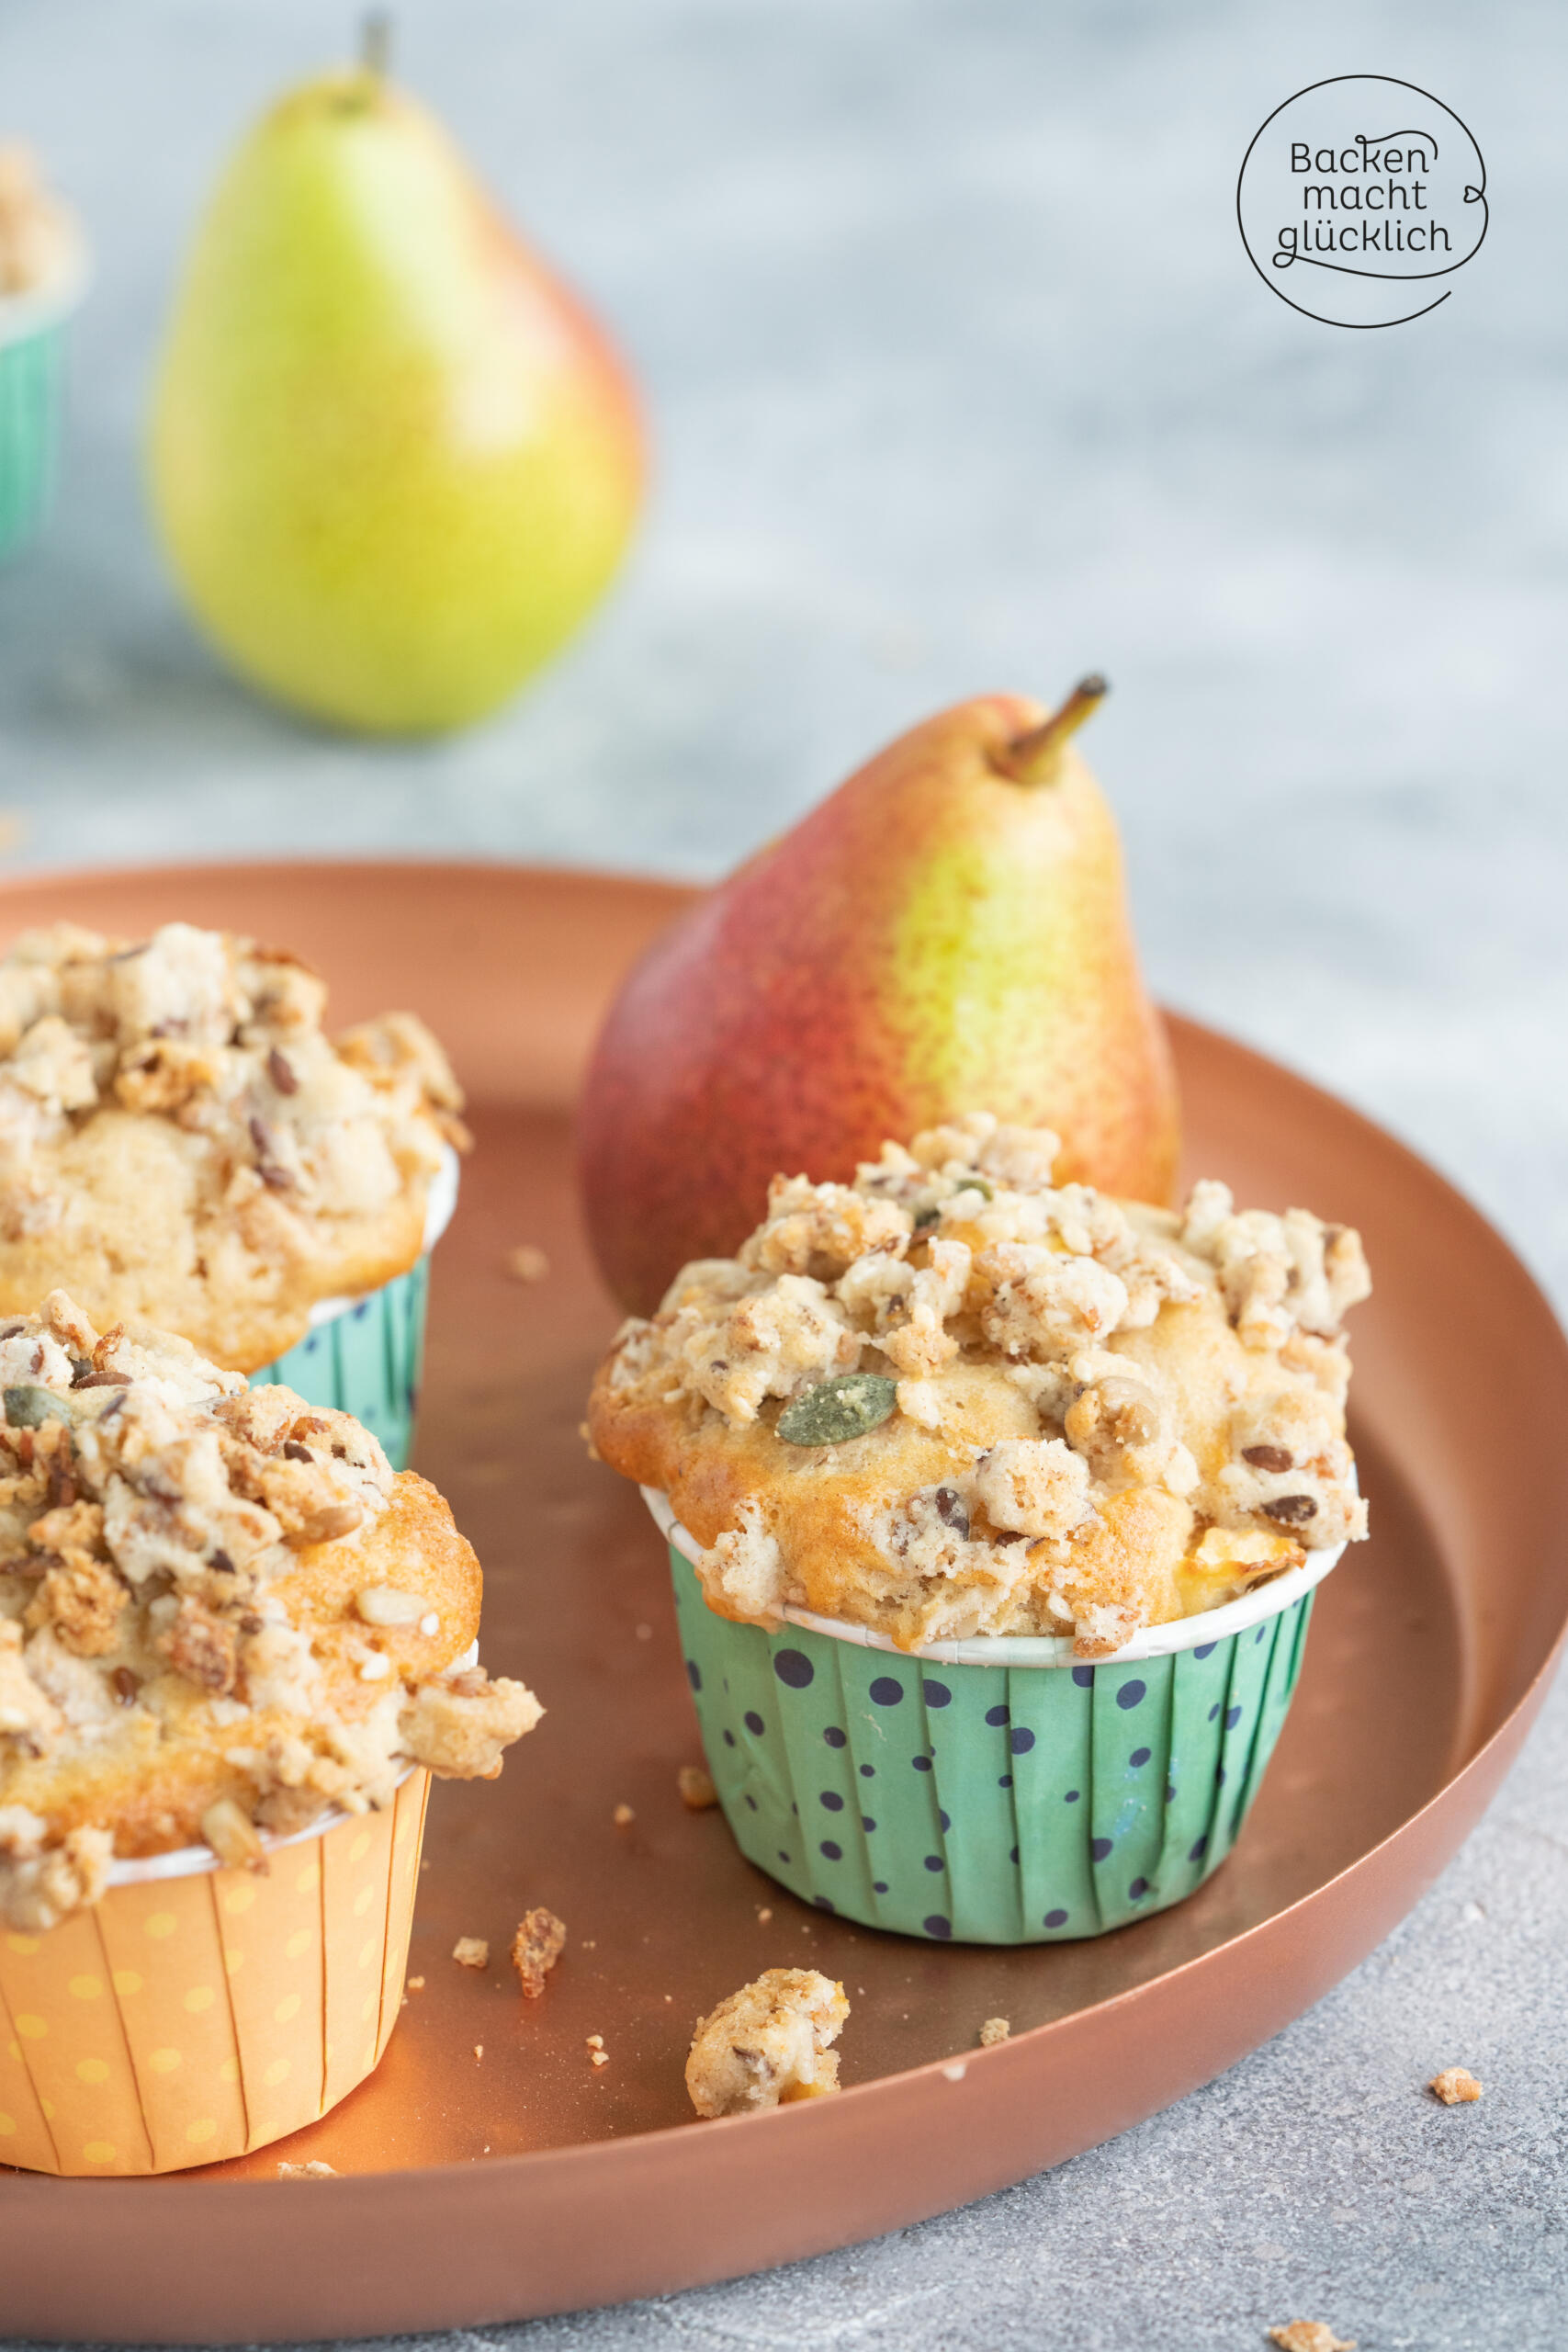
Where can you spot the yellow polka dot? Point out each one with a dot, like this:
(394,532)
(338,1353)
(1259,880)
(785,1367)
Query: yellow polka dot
(126,1981)
(234,1963)
(21,1943)
(48,2107)
(14,2048)
(309,1879)
(367,1952)
(159,1924)
(363,1900)
(238,1899)
(99,2152)
(297,1942)
(369,2008)
(278,2072)
(202,2129)
(288,2007)
(199,1998)
(87,1989)
(230,2071)
(360,1846)
(31,2029)
(163,2062)
(7,2127)
(92,2069)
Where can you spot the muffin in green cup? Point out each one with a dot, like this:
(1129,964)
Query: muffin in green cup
(43,272)
(995,1512)
(183,1145)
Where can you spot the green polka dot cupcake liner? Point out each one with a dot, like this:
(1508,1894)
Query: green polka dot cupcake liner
(996,1790)
(365,1356)
(32,354)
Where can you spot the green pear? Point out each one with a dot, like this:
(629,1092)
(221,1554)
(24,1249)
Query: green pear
(393,460)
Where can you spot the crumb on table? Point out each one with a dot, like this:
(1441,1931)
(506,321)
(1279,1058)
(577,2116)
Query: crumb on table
(1455,2086)
(314,2170)
(536,1947)
(623,1816)
(995,2029)
(697,1791)
(526,1263)
(471,1951)
(1310,2335)
(768,2044)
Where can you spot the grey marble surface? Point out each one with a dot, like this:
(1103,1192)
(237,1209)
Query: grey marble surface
(959,377)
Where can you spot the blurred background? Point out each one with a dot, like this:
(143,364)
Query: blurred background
(957,377)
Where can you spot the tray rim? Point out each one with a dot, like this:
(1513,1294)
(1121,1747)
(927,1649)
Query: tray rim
(1356,1908)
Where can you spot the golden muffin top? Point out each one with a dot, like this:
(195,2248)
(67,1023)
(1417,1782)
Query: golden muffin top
(179,1141)
(952,1399)
(219,1612)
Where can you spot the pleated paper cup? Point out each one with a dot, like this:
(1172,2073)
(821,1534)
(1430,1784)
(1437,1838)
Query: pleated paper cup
(365,1356)
(996,1790)
(32,346)
(197,2013)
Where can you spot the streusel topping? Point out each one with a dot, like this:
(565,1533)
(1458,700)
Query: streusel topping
(219,1612)
(952,1398)
(180,1142)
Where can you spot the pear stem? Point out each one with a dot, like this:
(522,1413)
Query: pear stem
(376,43)
(1034,757)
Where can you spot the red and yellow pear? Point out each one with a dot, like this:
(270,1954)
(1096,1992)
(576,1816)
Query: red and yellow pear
(947,932)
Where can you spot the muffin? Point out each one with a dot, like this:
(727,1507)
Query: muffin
(42,271)
(233,1647)
(182,1144)
(1089,1454)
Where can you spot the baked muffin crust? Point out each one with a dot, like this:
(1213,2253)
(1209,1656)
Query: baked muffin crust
(221,1612)
(180,1143)
(952,1399)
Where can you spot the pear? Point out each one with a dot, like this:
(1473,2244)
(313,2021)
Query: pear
(392,460)
(947,933)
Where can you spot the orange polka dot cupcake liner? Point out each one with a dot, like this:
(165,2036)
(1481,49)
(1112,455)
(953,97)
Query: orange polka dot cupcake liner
(197,2012)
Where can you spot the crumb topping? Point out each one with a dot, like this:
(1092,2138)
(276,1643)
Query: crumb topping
(952,1398)
(181,1141)
(170,1666)
(768,2044)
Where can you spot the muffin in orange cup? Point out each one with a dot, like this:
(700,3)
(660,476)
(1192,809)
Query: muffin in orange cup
(233,1648)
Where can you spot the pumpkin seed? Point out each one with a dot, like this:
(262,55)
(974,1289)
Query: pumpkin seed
(845,1406)
(30,1408)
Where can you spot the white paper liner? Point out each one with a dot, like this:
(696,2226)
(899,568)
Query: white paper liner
(1027,1650)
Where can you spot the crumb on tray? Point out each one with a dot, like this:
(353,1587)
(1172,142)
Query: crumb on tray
(536,1947)
(697,1791)
(623,1816)
(995,2029)
(471,1951)
(314,2170)
(767,2045)
(526,1263)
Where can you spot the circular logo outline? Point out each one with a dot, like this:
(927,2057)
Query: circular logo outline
(1477,195)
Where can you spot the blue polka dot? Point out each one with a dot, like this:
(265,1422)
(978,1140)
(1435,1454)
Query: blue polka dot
(1262,1631)
(1084,1676)
(835,1737)
(834,1802)
(1020,1741)
(1006,1781)
(937,1694)
(834,1853)
(922,1763)
(996,1715)
(1071,1797)
(1213,1711)
(362,1310)
(782,1856)
(729,1739)
(879,1886)
(751,1801)
(1055,1919)
(795,1810)
(944,1818)
(794,1667)
(866,1823)
(1197,1853)
(1138,1889)
(937,1926)
(1220,1778)
(1131,1694)
(868,1771)
(1139,1757)
(753,1723)
(1171,1792)
(726,1685)
(933,1861)
(886,1692)
(822,1902)
(1205,1649)
(694,1674)
(1099,1848)
(1013,1856)
(1233,1716)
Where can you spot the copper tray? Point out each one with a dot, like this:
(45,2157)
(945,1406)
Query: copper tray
(524,2181)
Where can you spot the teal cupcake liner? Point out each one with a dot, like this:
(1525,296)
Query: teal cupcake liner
(32,350)
(1035,1800)
(365,1356)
